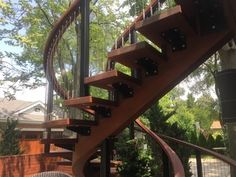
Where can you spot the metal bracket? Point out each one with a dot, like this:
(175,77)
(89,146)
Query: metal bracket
(150,67)
(82,130)
(124,89)
(103,111)
(176,38)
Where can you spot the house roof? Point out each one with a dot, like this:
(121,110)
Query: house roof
(13,105)
(18,109)
(216,125)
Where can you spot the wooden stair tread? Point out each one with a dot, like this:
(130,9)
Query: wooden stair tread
(62,123)
(176,69)
(64,163)
(106,79)
(65,155)
(97,162)
(129,55)
(172,18)
(59,141)
(85,101)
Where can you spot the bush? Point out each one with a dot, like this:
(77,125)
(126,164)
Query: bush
(10,139)
(135,163)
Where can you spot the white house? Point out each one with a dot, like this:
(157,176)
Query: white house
(30,116)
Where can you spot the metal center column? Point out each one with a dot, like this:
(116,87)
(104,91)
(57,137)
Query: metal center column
(84,65)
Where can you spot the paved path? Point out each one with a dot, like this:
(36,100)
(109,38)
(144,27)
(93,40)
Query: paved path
(211,168)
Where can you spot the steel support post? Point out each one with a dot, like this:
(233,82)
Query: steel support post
(199,163)
(105,159)
(84,65)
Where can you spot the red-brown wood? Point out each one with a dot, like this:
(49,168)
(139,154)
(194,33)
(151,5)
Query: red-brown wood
(106,79)
(26,165)
(31,147)
(65,155)
(89,101)
(64,163)
(59,141)
(188,10)
(62,123)
(129,55)
(52,42)
(131,27)
(179,65)
(155,25)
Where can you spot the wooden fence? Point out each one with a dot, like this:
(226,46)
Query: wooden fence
(26,165)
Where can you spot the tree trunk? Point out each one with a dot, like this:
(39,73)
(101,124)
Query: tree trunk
(228,62)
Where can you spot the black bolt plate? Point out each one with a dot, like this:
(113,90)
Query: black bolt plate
(210,14)
(124,89)
(82,130)
(176,38)
(103,111)
(150,67)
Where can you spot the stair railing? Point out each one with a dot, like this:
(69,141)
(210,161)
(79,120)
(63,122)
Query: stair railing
(178,170)
(129,35)
(62,25)
(203,169)
(213,164)
(148,11)
(51,45)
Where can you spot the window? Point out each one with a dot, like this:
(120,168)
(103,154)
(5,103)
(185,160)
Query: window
(37,109)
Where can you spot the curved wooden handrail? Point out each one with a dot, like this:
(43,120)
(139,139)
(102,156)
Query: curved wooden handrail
(177,166)
(202,150)
(55,35)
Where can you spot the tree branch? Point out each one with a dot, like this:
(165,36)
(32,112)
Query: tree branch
(44,13)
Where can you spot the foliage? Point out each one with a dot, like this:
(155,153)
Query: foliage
(158,123)
(25,26)
(202,80)
(10,139)
(24,30)
(202,110)
(207,140)
(136,6)
(135,160)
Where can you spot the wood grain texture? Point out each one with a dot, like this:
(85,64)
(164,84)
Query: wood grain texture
(152,27)
(59,141)
(129,55)
(179,65)
(89,101)
(106,79)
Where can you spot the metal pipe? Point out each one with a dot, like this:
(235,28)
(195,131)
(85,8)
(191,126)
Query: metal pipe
(199,163)
(84,64)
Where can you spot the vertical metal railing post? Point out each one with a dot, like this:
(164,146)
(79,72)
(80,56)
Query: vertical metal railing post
(166,165)
(84,59)
(49,109)
(199,163)
(105,158)
(134,73)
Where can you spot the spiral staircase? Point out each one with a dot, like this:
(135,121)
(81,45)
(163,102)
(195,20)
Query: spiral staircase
(186,35)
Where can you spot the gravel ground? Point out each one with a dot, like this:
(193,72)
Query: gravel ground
(211,168)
